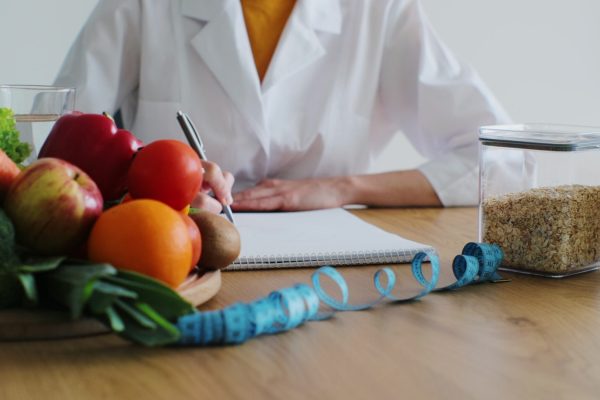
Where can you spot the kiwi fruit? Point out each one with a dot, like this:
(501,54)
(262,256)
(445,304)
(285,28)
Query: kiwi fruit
(221,242)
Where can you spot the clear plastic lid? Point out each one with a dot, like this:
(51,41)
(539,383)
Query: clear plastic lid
(541,136)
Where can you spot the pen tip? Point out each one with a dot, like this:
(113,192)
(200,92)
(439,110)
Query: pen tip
(179,113)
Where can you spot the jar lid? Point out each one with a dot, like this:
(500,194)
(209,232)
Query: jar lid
(541,136)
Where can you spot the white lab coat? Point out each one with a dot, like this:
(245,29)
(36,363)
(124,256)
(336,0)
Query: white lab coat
(346,76)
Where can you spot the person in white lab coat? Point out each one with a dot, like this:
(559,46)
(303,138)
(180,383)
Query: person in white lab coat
(345,77)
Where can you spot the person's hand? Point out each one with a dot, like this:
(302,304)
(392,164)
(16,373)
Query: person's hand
(291,195)
(388,189)
(219,183)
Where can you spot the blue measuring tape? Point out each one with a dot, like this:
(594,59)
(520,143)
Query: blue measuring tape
(290,307)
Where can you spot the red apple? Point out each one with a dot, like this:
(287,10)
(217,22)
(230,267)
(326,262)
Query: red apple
(53,205)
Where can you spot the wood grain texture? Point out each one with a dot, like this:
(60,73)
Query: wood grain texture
(533,338)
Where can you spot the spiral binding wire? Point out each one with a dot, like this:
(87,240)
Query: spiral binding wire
(390,256)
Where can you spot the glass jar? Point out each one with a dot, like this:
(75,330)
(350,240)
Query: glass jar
(539,188)
(35,110)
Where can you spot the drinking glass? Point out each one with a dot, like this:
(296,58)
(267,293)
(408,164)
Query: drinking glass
(36,108)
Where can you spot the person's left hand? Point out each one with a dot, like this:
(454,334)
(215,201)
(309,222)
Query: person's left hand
(290,195)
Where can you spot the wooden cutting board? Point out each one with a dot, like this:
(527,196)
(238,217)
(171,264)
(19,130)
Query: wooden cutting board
(21,324)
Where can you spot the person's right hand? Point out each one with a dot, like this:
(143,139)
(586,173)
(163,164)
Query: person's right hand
(217,182)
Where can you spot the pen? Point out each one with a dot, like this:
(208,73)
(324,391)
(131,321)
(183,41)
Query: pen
(194,140)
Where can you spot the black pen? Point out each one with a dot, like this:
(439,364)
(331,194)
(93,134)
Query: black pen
(194,140)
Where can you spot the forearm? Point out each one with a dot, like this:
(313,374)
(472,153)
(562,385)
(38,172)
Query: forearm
(389,189)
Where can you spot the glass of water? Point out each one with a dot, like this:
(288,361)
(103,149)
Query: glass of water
(36,108)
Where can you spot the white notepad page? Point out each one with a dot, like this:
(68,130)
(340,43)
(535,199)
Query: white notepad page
(316,238)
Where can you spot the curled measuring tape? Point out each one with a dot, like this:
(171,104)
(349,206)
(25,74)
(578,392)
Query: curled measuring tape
(290,307)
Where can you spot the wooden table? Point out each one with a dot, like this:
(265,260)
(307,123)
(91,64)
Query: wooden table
(533,338)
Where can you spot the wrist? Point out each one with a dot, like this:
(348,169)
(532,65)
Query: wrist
(347,188)
(388,189)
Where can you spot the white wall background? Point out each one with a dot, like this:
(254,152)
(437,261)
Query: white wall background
(540,57)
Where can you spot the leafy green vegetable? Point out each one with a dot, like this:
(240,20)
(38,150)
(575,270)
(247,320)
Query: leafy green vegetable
(9,138)
(11,291)
(130,310)
(17,282)
(164,333)
(28,283)
(135,306)
(39,264)
(149,290)
(72,285)
(115,321)
(8,252)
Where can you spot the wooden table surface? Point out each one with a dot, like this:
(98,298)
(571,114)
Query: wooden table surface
(532,338)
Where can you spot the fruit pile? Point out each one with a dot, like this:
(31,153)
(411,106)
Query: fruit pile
(97,193)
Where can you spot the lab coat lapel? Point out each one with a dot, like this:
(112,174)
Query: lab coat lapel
(299,45)
(224,46)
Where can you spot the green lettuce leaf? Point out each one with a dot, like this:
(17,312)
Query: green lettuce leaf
(9,138)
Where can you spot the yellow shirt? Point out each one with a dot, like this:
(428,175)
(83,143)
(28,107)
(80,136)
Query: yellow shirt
(265,20)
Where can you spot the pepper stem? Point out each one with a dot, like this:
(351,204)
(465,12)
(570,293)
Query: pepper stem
(107,115)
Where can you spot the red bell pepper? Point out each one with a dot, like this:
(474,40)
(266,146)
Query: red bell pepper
(95,144)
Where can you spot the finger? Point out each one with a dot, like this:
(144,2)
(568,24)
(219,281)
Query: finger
(206,202)
(219,182)
(263,189)
(254,193)
(273,203)
(229,181)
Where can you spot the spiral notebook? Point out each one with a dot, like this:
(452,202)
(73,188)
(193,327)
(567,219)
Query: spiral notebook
(316,238)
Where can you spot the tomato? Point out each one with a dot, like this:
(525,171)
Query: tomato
(196,238)
(166,170)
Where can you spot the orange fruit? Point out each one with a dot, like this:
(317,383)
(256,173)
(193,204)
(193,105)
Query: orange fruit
(145,236)
(185,210)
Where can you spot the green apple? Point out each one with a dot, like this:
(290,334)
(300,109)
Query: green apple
(53,206)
